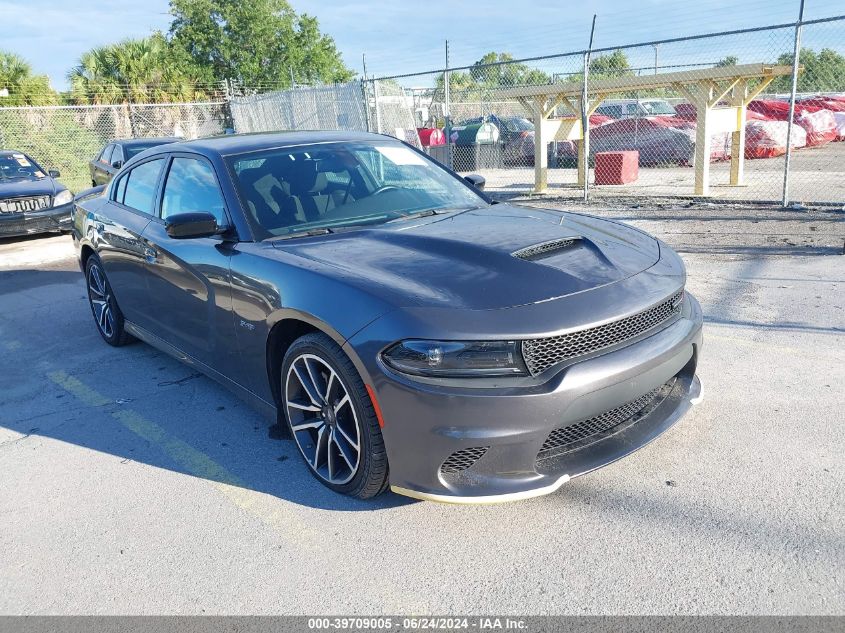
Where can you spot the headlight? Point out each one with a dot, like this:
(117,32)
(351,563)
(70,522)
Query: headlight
(456,359)
(63,197)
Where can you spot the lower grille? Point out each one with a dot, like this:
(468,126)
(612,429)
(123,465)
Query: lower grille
(542,353)
(463,459)
(593,429)
(21,205)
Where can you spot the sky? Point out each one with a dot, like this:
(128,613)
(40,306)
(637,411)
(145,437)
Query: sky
(403,36)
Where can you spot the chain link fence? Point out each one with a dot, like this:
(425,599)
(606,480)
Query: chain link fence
(643,102)
(646,107)
(67,137)
(377,106)
(337,107)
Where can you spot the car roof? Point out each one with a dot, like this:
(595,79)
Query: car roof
(143,141)
(241,143)
(10,152)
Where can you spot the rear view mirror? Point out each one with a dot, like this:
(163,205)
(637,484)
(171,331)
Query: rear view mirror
(54,173)
(191,225)
(476,180)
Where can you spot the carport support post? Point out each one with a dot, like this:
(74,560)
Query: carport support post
(583,161)
(738,135)
(702,143)
(541,158)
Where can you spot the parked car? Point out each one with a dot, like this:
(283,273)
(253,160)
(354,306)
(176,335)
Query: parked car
(407,331)
(111,158)
(516,135)
(31,199)
(628,108)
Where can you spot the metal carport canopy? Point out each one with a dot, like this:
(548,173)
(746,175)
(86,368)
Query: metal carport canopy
(705,89)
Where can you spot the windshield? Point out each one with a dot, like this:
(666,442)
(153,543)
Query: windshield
(657,107)
(336,185)
(19,167)
(132,150)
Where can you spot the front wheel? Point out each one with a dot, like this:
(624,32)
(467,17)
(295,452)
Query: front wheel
(107,314)
(331,418)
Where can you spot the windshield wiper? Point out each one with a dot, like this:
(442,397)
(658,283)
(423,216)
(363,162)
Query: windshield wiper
(412,216)
(429,212)
(306,233)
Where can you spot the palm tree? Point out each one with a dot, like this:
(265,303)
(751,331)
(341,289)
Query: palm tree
(23,87)
(146,70)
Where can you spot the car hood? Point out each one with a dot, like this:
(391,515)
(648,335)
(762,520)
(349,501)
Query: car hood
(21,188)
(472,260)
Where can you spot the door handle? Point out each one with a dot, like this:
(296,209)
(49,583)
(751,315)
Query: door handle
(150,255)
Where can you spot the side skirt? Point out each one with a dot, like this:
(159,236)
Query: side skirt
(266,409)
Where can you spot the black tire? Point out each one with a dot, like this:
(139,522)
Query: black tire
(107,315)
(371,477)
(93,183)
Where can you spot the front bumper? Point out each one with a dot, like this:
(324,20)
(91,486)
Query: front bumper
(425,424)
(28,223)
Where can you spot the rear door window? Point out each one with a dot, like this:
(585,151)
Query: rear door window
(141,185)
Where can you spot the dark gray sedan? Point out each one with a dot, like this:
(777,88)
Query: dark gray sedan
(111,158)
(32,200)
(409,332)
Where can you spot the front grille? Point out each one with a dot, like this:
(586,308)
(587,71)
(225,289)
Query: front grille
(20,205)
(593,429)
(542,353)
(463,459)
(545,249)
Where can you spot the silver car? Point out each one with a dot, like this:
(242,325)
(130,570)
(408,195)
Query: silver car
(407,330)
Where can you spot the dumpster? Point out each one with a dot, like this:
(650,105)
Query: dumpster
(475,146)
(430,136)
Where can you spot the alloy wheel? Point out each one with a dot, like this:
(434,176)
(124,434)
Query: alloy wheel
(323,419)
(99,294)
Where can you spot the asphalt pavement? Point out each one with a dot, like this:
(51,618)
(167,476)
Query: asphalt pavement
(129,484)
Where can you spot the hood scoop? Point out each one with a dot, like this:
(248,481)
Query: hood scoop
(545,249)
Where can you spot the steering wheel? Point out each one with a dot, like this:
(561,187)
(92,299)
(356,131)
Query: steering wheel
(381,190)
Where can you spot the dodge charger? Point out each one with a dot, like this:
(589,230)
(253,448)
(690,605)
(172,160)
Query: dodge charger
(410,332)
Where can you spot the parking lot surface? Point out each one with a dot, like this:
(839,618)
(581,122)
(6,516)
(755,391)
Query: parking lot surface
(129,484)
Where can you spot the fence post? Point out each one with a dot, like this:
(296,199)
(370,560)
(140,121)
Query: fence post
(447,115)
(378,111)
(796,54)
(365,91)
(131,118)
(585,115)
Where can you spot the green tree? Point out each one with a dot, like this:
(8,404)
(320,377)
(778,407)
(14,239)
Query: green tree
(613,65)
(492,71)
(500,70)
(822,72)
(23,86)
(257,43)
(730,60)
(135,70)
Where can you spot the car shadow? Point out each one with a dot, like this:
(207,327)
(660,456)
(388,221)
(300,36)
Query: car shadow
(64,383)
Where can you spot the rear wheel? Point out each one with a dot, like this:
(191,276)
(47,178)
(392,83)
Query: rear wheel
(107,314)
(331,418)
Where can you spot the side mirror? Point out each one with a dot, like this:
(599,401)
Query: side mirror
(476,181)
(54,173)
(117,164)
(189,225)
